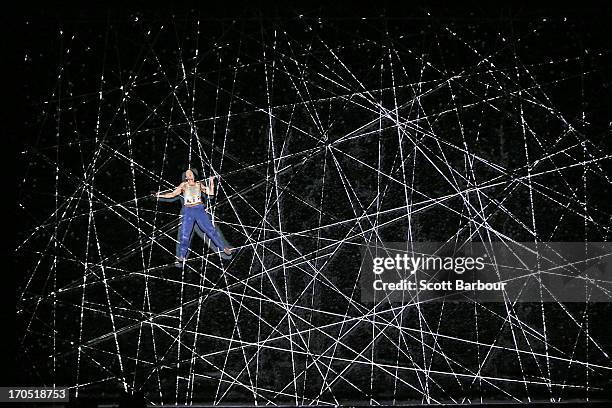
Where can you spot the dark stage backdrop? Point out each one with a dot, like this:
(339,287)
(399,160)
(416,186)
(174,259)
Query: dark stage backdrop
(328,130)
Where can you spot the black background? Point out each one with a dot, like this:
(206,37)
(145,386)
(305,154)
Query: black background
(590,29)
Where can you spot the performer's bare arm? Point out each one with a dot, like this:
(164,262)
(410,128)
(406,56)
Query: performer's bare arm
(210,189)
(172,194)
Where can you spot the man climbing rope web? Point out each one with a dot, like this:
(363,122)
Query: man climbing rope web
(194,213)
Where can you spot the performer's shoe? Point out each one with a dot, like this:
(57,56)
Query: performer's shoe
(179,262)
(226,253)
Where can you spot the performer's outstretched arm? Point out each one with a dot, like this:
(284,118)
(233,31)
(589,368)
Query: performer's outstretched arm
(172,194)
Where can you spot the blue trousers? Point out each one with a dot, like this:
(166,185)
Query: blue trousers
(191,216)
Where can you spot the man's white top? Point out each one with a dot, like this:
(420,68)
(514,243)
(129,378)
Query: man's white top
(192,194)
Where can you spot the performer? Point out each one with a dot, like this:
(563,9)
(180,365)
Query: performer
(194,213)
